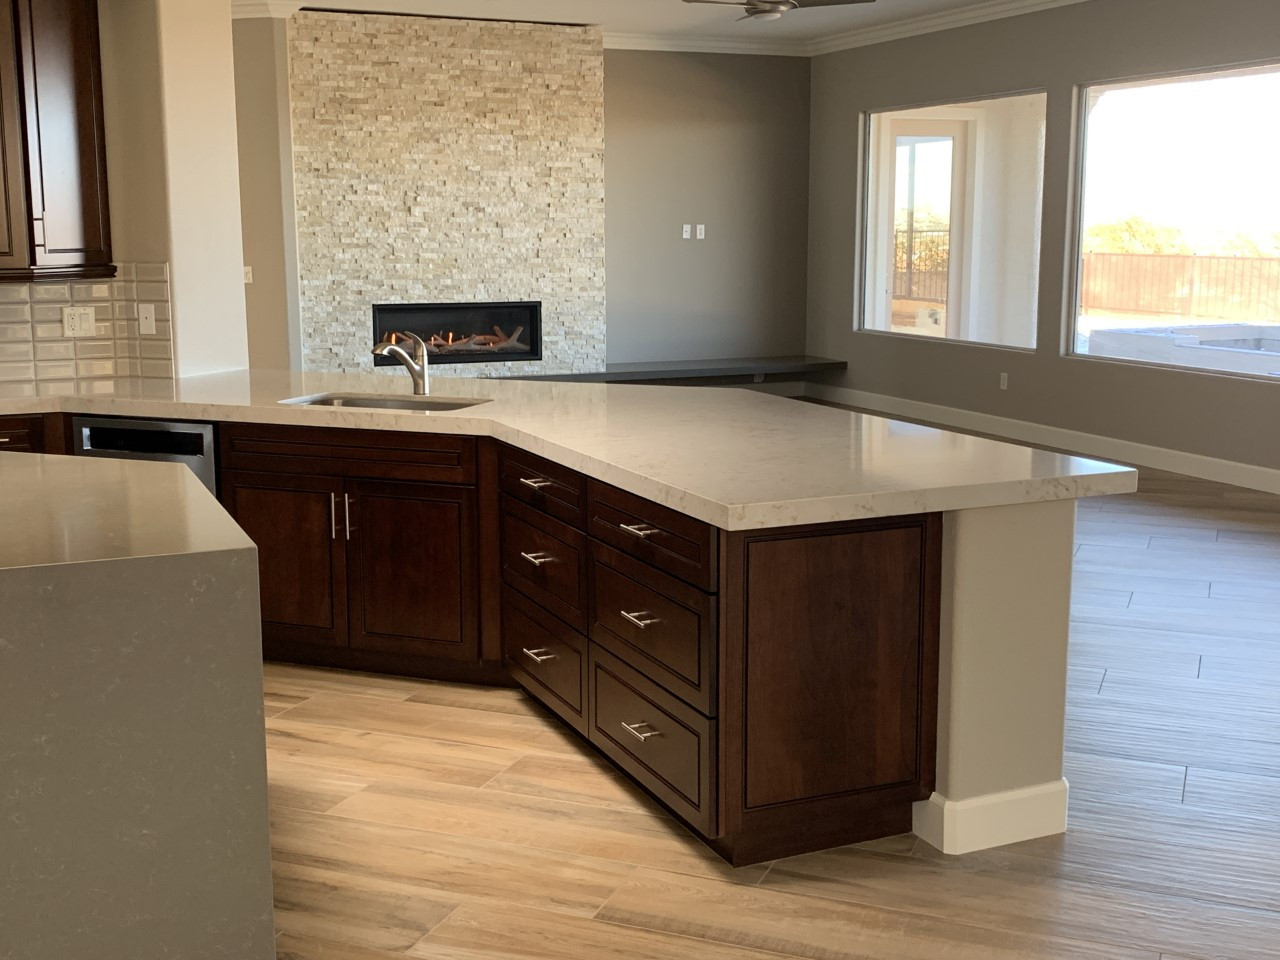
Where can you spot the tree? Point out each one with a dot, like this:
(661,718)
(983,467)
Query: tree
(1135,235)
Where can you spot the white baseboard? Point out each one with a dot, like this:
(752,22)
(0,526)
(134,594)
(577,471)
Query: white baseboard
(966,826)
(1035,434)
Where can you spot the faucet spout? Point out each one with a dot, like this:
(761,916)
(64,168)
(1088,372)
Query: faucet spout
(416,364)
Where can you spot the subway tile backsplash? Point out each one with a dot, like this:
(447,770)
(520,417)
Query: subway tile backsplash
(34,351)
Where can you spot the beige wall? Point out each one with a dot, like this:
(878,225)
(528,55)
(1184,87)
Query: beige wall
(266,192)
(1054,50)
(721,140)
(199,122)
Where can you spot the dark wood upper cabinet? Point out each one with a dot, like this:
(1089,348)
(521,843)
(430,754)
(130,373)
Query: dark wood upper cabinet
(56,224)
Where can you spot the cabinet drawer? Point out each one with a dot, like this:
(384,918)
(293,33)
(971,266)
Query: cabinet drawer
(664,744)
(547,657)
(546,561)
(551,488)
(21,434)
(663,627)
(375,454)
(671,541)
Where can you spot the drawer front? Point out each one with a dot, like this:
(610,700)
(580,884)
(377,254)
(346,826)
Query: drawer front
(546,561)
(663,627)
(21,434)
(551,488)
(375,454)
(547,657)
(666,746)
(680,545)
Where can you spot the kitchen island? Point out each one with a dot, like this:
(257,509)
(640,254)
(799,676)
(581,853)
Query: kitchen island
(863,622)
(132,755)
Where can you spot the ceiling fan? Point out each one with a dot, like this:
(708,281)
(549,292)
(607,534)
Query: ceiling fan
(773,9)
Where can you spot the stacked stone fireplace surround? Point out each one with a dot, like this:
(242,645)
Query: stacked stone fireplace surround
(448,161)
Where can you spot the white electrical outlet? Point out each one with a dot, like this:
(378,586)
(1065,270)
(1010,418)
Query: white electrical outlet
(1004,381)
(702,231)
(147,318)
(79,321)
(687,233)
(248,274)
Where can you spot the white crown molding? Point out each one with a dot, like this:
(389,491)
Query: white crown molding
(252,9)
(686,44)
(931,23)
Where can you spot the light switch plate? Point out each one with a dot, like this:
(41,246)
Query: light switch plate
(79,321)
(248,274)
(702,231)
(147,318)
(687,231)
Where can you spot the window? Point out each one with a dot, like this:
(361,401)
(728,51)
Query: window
(954,196)
(1180,223)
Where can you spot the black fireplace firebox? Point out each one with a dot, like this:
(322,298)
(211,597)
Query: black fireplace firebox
(464,332)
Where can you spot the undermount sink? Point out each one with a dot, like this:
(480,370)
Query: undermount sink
(376,401)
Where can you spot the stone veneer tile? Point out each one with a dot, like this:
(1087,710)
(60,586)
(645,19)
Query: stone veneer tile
(446,161)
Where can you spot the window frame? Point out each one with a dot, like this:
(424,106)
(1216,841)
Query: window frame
(1073,293)
(872,150)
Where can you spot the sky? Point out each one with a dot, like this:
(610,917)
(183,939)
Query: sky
(1201,155)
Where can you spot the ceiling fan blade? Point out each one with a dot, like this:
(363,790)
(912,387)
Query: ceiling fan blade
(802,4)
(721,3)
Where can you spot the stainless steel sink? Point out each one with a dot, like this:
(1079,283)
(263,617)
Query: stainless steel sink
(375,401)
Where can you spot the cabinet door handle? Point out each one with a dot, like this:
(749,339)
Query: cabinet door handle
(634,730)
(346,513)
(333,516)
(643,531)
(641,620)
(6,439)
(539,656)
(537,483)
(538,559)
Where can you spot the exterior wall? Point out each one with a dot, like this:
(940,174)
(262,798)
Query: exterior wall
(446,161)
(35,358)
(721,140)
(1054,50)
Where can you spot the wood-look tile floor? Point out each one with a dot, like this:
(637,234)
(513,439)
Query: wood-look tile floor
(427,820)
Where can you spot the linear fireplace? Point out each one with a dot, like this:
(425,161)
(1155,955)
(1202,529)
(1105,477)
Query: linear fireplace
(465,332)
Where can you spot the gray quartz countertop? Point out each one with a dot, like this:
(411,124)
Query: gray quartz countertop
(60,510)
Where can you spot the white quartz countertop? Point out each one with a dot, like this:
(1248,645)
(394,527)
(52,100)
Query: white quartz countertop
(734,458)
(60,510)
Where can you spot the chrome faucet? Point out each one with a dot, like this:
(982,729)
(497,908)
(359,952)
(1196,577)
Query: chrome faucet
(416,364)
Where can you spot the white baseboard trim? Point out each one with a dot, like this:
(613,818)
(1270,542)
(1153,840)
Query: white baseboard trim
(1086,444)
(966,826)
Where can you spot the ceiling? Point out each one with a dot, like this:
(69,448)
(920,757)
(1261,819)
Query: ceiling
(674,25)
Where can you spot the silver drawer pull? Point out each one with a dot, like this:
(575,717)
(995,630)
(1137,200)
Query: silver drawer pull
(539,656)
(641,619)
(538,559)
(6,439)
(634,730)
(537,483)
(639,530)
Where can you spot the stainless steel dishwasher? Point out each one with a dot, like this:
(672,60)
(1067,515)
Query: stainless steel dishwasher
(171,441)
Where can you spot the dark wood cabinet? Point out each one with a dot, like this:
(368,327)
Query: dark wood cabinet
(775,689)
(22,434)
(363,568)
(412,557)
(54,177)
(302,553)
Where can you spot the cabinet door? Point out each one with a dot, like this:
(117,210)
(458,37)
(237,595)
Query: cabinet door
(15,241)
(413,569)
(61,68)
(298,526)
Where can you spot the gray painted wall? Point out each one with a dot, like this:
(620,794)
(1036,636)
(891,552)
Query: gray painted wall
(721,140)
(1054,50)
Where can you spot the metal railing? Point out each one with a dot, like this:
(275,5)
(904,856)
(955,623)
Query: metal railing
(921,265)
(1239,289)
